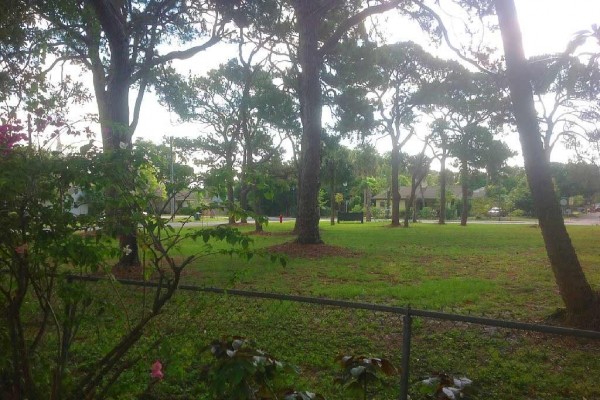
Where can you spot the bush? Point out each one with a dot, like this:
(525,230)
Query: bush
(451,213)
(517,213)
(43,312)
(378,213)
(186,211)
(428,213)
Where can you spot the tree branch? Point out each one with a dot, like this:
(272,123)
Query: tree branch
(444,31)
(345,26)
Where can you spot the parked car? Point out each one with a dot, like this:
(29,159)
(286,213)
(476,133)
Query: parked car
(495,212)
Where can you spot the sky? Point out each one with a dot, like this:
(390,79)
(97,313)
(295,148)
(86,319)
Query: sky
(547,27)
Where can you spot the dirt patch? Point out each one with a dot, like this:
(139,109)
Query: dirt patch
(312,251)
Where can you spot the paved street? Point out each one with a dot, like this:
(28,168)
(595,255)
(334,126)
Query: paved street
(582,219)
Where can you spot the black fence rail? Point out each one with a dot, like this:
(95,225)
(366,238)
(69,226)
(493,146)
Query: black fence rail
(405,314)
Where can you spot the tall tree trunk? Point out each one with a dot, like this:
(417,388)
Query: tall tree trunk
(368,195)
(230,202)
(422,202)
(464,182)
(582,304)
(258,225)
(244,190)
(116,134)
(245,185)
(410,203)
(307,222)
(247,136)
(395,186)
(117,141)
(442,216)
(332,196)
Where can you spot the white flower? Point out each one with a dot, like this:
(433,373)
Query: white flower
(430,381)
(449,393)
(357,371)
(127,250)
(462,382)
(258,360)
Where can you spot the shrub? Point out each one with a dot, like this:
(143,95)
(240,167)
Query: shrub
(428,213)
(517,213)
(240,371)
(360,373)
(42,241)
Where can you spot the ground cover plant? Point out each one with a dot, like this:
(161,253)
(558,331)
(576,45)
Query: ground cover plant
(497,270)
(492,270)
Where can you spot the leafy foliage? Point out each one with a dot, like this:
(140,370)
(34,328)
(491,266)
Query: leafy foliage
(442,386)
(360,372)
(242,372)
(49,239)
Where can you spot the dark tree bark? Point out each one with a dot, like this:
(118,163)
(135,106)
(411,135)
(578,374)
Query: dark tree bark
(258,225)
(410,204)
(582,304)
(309,23)
(395,186)
(113,102)
(84,35)
(443,178)
(464,182)
(332,194)
(310,17)
(230,202)
(442,216)
(245,185)
(368,195)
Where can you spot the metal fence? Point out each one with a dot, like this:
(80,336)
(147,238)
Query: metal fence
(393,326)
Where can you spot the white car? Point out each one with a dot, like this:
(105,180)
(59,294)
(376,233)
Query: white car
(495,212)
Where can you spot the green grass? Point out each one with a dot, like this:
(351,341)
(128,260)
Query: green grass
(492,270)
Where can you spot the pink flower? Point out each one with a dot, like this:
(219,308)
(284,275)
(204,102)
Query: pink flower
(156,372)
(22,249)
(9,136)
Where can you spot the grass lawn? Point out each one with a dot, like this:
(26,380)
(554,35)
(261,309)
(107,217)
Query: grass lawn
(498,271)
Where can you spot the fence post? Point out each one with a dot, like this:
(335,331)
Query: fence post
(406,336)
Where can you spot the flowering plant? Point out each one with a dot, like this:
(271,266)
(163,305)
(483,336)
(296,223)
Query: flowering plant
(9,136)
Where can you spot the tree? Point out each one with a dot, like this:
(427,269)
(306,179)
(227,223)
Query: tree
(264,110)
(313,19)
(419,168)
(576,178)
(336,168)
(167,175)
(214,101)
(471,107)
(396,79)
(245,115)
(440,140)
(365,159)
(119,43)
(566,96)
(43,313)
(582,303)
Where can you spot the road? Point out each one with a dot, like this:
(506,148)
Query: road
(588,219)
